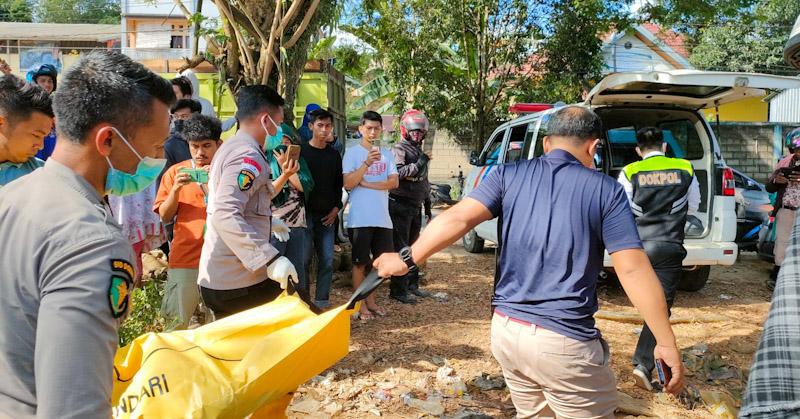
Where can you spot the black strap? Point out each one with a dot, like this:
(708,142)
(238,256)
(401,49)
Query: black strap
(369,284)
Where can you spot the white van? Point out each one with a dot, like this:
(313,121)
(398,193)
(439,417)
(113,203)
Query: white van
(670,100)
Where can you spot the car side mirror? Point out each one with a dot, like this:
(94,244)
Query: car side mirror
(474,158)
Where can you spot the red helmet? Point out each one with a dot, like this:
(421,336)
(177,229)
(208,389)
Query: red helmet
(413,120)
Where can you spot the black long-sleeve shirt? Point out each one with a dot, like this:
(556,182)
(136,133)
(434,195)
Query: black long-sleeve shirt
(414,186)
(326,170)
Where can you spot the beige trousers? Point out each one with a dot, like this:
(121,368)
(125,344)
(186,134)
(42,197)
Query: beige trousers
(553,376)
(784,222)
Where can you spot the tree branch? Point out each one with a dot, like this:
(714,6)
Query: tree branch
(290,14)
(188,13)
(303,25)
(271,45)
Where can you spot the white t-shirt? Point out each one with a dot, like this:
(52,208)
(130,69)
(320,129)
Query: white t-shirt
(369,207)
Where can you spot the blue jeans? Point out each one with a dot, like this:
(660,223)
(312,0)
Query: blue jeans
(297,250)
(323,237)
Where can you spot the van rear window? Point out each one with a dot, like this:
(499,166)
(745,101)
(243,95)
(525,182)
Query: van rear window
(681,138)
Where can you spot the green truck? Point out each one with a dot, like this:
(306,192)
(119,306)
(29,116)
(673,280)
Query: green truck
(320,84)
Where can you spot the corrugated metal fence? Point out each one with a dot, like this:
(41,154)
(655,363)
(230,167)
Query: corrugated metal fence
(785,107)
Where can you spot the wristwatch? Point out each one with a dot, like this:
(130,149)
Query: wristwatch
(405,254)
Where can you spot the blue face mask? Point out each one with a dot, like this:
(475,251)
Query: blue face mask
(121,183)
(272,141)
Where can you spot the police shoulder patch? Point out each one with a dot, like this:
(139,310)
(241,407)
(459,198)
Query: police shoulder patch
(251,166)
(119,287)
(246,179)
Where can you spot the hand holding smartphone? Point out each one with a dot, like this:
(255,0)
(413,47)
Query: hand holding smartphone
(664,372)
(293,152)
(197,175)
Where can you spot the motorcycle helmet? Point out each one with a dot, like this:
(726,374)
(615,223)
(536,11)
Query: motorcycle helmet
(413,120)
(793,140)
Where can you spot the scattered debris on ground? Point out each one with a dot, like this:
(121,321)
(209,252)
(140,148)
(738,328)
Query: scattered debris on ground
(433,359)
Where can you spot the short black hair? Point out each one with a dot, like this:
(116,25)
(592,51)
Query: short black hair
(252,100)
(575,122)
(107,86)
(18,100)
(371,116)
(649,138)
(201,128)
(320,114)
(184,84)
(193,105)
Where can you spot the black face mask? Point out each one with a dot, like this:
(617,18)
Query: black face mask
(177,125)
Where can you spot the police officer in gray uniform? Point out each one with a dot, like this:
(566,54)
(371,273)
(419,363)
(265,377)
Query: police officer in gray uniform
(237,257)
(66,270)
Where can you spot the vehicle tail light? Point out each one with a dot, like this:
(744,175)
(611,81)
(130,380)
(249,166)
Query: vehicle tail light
(728,185)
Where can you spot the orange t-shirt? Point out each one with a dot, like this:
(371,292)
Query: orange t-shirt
(190,219)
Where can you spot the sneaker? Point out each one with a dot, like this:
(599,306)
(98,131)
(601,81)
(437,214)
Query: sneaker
(322,304)
(421,293)
(405,299)
(642,378)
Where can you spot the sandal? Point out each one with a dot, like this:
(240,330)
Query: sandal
(363,317)
(379,311)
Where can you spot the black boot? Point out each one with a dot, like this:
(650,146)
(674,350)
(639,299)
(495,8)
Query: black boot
(773,278)
(413,285)
(398,290)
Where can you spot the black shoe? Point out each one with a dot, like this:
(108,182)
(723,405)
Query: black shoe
(405,299)
(421,293)
(773,278)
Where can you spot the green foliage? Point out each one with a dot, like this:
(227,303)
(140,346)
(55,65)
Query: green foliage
(15,11)
(464,62)
(571,56)
(752,41)
(689,17)
(454,60)
(323,50)
(145,312)
(352,62)
(77,11)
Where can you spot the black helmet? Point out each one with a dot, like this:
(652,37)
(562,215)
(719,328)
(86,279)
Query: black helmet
(47,70)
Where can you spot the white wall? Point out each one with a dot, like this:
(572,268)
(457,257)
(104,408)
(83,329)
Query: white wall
(165,8)
(639,57)
(146,37)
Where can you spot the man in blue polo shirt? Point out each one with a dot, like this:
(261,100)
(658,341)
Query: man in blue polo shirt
(558,215)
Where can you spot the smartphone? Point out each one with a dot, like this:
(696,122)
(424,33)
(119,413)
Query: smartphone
(664,372)
(786,171)
(294,152)
(197,175)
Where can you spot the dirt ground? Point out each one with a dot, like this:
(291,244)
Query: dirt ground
(392,367)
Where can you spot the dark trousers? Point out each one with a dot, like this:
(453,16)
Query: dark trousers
(298,250)
(666,259)
(227,302)
(323,238)
(407,221)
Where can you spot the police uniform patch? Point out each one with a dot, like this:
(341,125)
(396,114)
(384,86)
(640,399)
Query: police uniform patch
(119,288)
(251,166)
(246,179)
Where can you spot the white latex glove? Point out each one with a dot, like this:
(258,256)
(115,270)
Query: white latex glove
(280,230)
(282,271)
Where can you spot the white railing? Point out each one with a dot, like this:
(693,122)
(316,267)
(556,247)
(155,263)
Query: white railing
(138,54)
